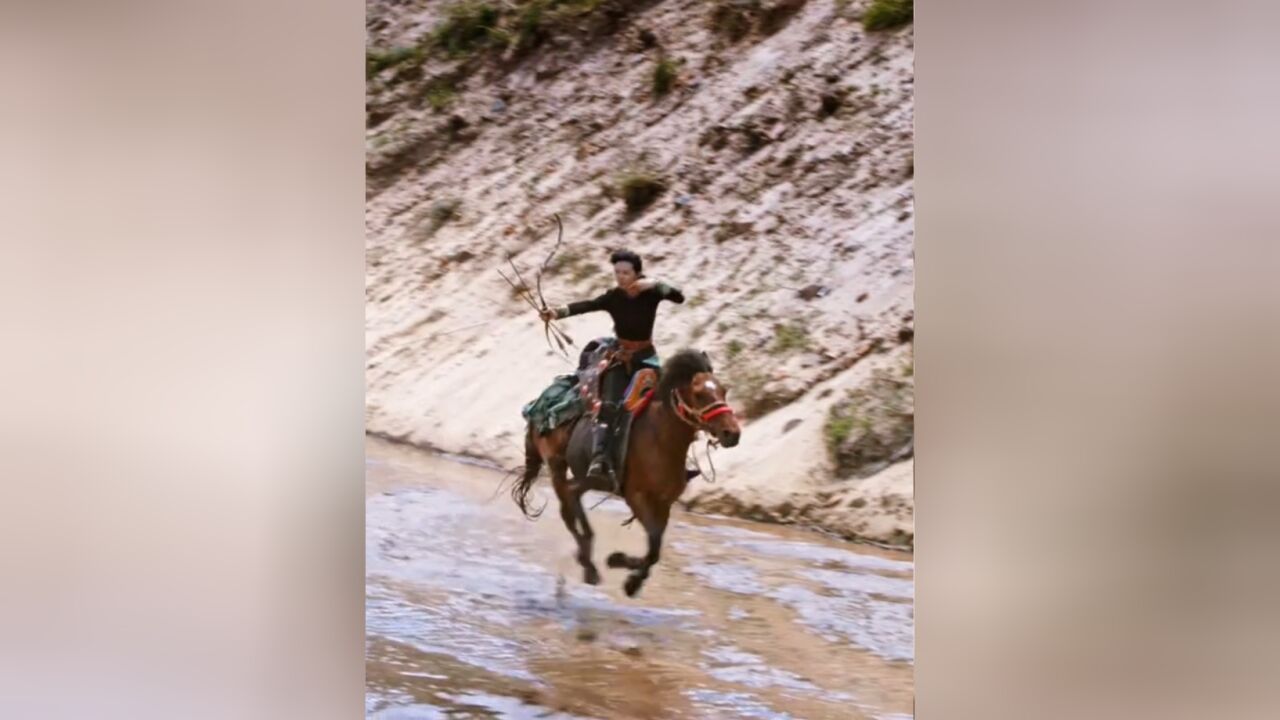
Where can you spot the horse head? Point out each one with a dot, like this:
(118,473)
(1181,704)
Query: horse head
(698,397)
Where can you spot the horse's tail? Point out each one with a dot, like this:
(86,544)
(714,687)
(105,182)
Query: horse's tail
(529,475)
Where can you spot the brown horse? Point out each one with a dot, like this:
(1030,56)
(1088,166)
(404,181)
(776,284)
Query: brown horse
(688,399)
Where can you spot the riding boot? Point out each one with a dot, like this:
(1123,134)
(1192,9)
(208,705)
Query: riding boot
(601,469)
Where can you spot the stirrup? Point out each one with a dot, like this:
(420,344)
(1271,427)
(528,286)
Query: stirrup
(598,470)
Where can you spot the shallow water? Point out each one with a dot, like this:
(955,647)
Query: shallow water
(474,612)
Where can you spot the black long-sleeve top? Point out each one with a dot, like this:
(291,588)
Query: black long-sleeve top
(632,316)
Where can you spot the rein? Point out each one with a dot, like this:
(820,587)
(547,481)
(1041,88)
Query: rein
(698,419)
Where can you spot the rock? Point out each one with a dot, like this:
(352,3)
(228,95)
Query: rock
(863,296)
(498,106)
(831,102)
(809,292)
(683,200)
(873,427)
(460,256)
(775,394)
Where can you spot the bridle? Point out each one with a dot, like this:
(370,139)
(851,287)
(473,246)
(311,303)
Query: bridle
(699,418)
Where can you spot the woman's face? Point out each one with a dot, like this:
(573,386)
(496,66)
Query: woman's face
(624,273)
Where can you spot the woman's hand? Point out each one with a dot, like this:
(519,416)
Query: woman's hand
(640,286)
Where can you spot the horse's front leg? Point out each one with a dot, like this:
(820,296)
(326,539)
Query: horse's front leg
(653,515)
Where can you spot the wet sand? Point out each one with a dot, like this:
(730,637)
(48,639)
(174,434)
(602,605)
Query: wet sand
(472,611)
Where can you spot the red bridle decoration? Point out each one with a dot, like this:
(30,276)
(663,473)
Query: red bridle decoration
(701,416)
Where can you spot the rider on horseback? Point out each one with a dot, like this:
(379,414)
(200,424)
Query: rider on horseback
(633,305)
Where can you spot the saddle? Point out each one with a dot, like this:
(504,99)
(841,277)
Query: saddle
(601,354)
(598,356)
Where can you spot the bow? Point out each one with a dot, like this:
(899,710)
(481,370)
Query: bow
(550,331)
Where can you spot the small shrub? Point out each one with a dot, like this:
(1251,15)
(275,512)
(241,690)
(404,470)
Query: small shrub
(838,430)
(731,19)
(565,260)
(664,77)
(887,15)
(789,337)
(748,387)
(574,263)
(531,28)
(733,349)
(375,61)
(538,20)
(430,219)
(440,94)
(467,26)
(518,289)
(442,212)
(582,271)
(774,17)
(729,230)
(639,189)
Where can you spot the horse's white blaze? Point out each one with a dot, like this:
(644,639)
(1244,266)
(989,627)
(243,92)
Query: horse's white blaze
(711,385)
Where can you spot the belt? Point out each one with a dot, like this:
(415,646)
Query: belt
(627,349)
(632,346)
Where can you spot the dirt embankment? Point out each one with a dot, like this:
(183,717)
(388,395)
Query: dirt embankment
(757,153)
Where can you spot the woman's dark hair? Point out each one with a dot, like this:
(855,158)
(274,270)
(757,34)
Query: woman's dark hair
(628,257)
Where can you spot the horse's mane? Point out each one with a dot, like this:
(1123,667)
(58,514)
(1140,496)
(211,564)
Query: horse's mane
(679,370)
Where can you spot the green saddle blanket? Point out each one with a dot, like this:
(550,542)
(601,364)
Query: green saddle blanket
(560,403)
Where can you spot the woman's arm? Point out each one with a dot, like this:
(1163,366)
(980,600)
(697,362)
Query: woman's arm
(664,290)
(669,292)
(578,308)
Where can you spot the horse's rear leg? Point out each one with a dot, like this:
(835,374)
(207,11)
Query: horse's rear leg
(653,516)
(590,574)
(575,518)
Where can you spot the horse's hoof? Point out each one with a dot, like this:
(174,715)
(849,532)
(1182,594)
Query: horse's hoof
(632,586)
(591,576)
(616,560)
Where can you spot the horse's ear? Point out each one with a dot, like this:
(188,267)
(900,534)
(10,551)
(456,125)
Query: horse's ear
(707,358)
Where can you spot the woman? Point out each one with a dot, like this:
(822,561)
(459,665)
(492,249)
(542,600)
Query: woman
(633,305)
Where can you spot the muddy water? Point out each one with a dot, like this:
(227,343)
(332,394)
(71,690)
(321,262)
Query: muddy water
(474,612)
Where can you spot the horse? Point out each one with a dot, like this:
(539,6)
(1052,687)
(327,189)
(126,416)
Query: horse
(688,399)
